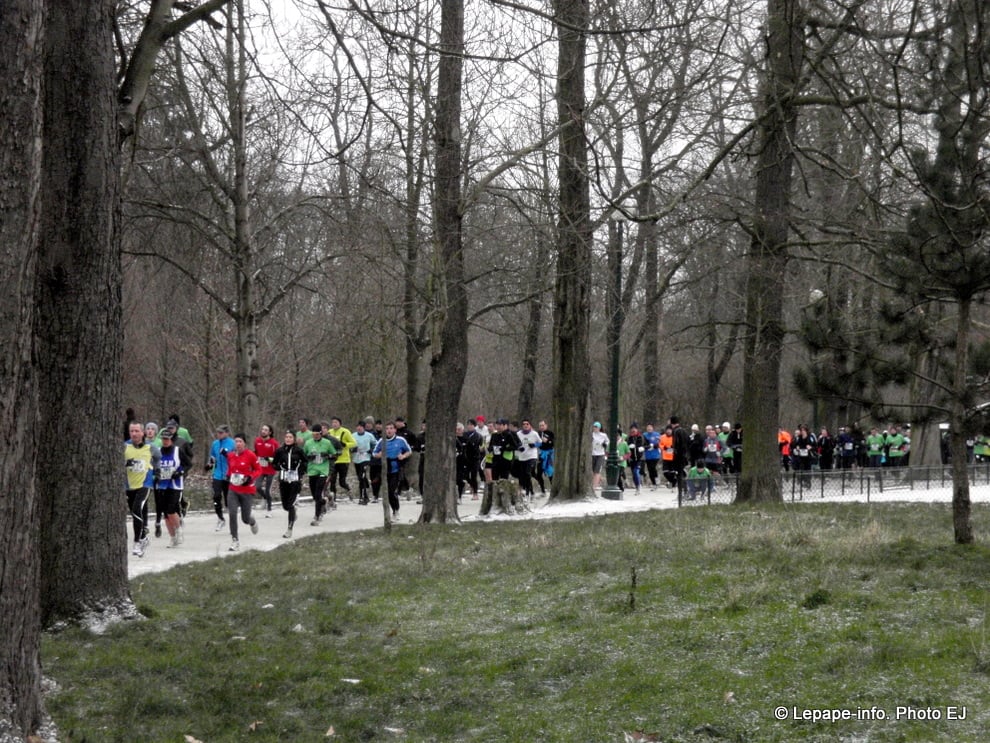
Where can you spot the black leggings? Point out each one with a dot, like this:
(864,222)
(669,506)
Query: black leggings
(220,490)
(651,470)
(394,482)
(376,479)
(290,496)
(263,486)
(338,473)
(361,473)
(317,484)
(137,504)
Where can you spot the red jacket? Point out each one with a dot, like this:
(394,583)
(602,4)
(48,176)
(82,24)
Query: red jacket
(243,469)
(265,449)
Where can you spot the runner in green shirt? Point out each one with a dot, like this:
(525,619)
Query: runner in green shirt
(320,454)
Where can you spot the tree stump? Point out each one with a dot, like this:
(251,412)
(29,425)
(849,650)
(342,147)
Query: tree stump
(502,494)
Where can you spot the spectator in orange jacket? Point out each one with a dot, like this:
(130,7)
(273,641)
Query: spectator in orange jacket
(784,444)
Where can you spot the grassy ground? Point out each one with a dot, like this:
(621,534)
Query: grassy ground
(685,625)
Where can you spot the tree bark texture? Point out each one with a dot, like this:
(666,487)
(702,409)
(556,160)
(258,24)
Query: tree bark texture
(77,321)
(20,165)
(572,303)
(652,396)
(767,260)
(449,360)
(531,343)
(246,311)
(962,525)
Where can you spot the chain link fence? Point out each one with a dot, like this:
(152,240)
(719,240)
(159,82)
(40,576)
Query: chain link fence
(853,485)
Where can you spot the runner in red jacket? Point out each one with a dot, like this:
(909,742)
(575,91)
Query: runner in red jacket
(243,469)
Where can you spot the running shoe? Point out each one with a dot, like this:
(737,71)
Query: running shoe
(254,527)
(221,524)
(158,529)
(288,533)
(234,546)
(138,550)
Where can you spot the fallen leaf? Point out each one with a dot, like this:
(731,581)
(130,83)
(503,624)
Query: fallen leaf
(330,733)
(190,739)
(351,681)
(396,731)
(253,727)
(730,697)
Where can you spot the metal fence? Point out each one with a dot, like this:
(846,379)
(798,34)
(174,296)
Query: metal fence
(861,485)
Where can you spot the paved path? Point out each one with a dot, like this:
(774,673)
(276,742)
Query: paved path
(202,542)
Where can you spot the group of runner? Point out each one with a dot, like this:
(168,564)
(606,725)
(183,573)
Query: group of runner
(157,461)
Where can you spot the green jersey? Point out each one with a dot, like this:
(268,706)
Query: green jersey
(727,452)
(699,473)
(897,443)
(320,455)
(622,449)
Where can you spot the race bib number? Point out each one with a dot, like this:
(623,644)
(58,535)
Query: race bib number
(138,465)
(318,459)
(238,479)
(289,476)
(165,473)
(263,461)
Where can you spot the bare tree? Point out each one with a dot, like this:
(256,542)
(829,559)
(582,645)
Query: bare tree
(84,565)
(767,259)
(450,349)
(20,160)
(572,308)
(78,352)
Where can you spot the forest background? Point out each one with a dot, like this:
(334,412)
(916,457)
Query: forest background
(765,206)
(339,247)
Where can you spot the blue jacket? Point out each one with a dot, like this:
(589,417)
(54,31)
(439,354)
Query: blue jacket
(218,453)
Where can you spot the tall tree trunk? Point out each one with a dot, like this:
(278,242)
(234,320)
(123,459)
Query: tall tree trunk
(410,291)
(962,526)
(767,261)
(654,310)
(572,303)
(531,351)
(245,317)
(449,360)
(20,162)
(77,323)
(531,344)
